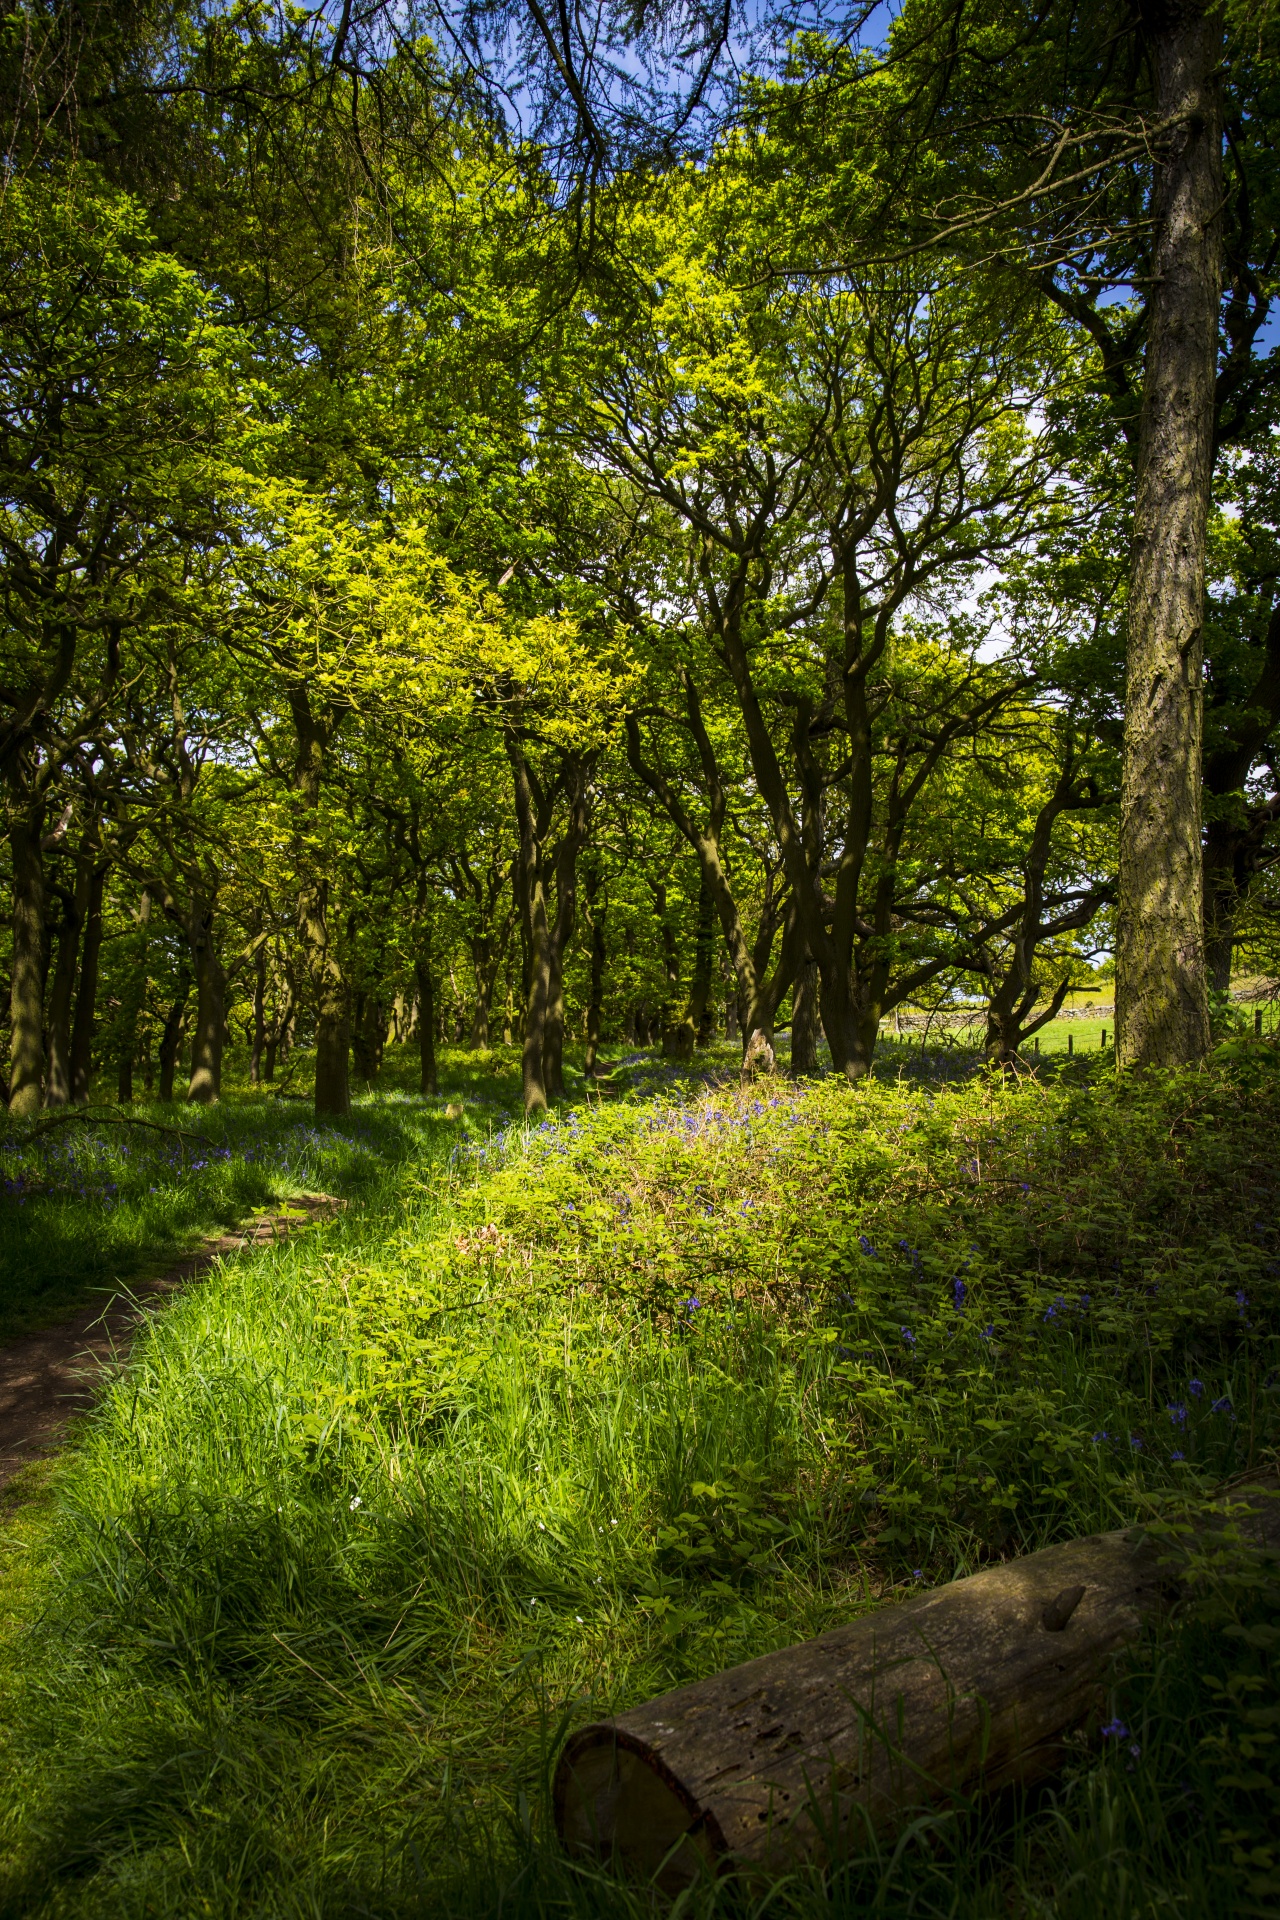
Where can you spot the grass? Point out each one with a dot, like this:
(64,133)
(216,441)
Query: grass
(95,1203)
(552,1419)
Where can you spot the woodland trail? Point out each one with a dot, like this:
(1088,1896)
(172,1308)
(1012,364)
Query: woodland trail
(48,1378)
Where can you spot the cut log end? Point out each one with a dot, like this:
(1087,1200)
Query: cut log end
(797,1755)
(616,1801)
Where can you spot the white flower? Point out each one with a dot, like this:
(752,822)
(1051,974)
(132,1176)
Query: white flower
(542,1526)
(355,1502)
(578,1618)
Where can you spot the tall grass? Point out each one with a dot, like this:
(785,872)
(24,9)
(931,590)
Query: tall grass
(554,1419)
(103,1198)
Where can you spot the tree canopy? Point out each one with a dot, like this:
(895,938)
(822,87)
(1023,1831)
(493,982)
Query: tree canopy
(513,568)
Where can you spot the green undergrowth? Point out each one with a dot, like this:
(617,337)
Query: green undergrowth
(565,1416)
(93,1200)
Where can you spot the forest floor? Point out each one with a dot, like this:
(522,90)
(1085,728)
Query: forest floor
(49,1377)
(551,1418)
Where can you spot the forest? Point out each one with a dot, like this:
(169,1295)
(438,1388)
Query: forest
(639,711)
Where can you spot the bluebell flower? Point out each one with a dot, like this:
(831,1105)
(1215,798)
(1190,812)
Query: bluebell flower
(1135,1442)
(1178,1413)
(908,1337)
(988,1332)
(1177,1454)
(1223,1406)
(1195,1387)
(959,1291)
(1115,1730)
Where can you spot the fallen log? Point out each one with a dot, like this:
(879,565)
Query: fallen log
(796,1755)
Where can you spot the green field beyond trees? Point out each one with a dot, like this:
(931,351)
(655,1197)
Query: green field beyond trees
(555,1417)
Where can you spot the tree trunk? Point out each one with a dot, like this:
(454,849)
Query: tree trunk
(26,989)
(429,1083)
(1162,1014)
(804,1020)
(595,1004)
(541,1067)
(797,1755)
(333,1034)
(259,1016)
(485,971)
(698,1011)
(205,1082)
(171,1040)
(732,1017)
(553,1030)
(57,1085)
(87,997)
(133,998)
(367,1038)
(333,1043)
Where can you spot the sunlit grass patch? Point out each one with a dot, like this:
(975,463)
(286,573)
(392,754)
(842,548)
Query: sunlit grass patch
(559,1416)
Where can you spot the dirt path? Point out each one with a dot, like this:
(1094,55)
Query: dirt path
(47,1378)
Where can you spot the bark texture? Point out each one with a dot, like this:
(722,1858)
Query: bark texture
(171,1040)
(26,991)
(57,1086)
(205,1082)
(804,1020)
(258,1047)
(87,997)
(314,732)
(798,1755)
(1162,1012)
(546,934)
(599,960)
(429,1080)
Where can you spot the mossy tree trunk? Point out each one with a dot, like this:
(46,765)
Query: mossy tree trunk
(204,1084)
(1162,1013)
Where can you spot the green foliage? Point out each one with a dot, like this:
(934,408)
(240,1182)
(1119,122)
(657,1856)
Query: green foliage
(578,1412)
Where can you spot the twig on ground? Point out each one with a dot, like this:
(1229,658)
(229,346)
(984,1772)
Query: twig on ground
(110,1118)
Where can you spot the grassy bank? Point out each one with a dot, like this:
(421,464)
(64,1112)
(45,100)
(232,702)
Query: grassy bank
(553,1419)
(92,1201)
